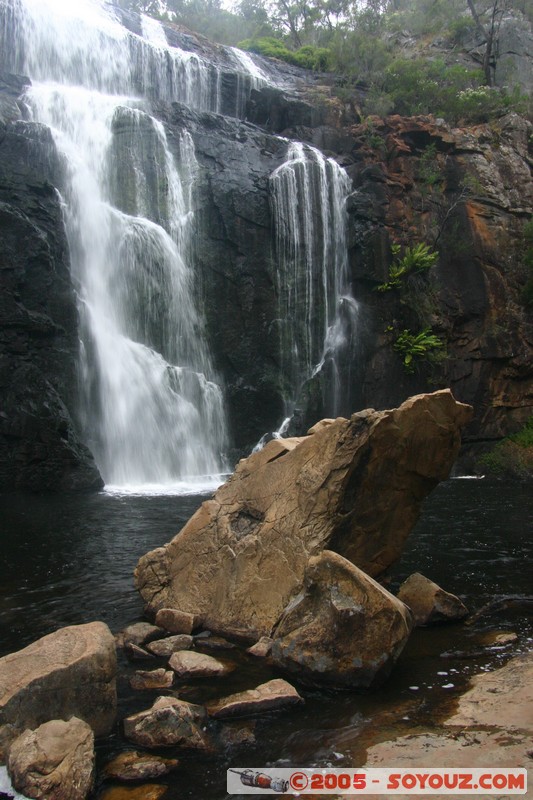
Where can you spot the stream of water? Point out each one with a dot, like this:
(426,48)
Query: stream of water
(69,560)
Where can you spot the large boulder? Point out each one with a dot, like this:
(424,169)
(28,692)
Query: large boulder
(354,487)
(169,722)
(71,672)
(343,629)
(54,762)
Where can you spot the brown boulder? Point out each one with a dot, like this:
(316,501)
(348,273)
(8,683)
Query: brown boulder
(343,629)
(355,487)
(71,672)
(54,762)
(175,621)
(169,722)
(428,602)
(198,665)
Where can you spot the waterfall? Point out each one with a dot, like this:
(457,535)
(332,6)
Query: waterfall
(317,313)
(153,409)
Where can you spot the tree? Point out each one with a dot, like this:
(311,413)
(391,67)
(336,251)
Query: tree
(489,31)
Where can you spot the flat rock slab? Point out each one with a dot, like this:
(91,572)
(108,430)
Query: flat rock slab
(163,648)
(502,699)
(269,696)
(355,487)
(152,679)
(54,761)
(169,722)
(71,672)
(428,602)
(187,664)
(134,766)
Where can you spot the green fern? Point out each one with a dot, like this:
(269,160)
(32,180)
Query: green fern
(418,258)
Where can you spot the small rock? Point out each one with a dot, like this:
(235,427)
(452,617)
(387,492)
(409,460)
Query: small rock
(55,761)
(168,722)
(152,679)
(149,791)
(175,621)
(141,633)
(428,602)
(266,697)
(136,653)
(165,647)
(187,664)
(262,648)
(238,735)
(134,766)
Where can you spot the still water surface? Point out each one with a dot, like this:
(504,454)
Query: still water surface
(69,559)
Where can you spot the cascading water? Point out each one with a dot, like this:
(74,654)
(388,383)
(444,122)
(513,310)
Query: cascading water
(153,411)
(317,313)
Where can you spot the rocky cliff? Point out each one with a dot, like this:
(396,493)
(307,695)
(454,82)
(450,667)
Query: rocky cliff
(39,345)
(465,193)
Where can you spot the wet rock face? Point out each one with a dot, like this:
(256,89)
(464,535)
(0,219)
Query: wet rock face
(354,487)
(39,443)
(69,672)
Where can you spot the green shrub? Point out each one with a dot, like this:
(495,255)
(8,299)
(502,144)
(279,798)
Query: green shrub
(308,56)
(418,258)
(416,347)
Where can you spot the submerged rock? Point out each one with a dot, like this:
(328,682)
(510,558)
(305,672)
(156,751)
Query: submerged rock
(134,766)
(428,602)
(268,696)
(152,679)
(149,791)
(168,722)
(71,672)
(354,487)
(54,762)
(343,629)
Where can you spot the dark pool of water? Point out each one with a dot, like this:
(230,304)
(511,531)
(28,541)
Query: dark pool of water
(68,560)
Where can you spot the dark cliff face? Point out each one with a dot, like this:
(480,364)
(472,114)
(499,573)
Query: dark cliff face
(39,446)
(465,192)
(468,194)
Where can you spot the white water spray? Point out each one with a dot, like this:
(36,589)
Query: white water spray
(153,410)
(316,309)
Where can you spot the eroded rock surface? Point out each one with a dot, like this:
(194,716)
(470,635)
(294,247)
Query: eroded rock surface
(54,762)
(353,487)
(134,766)
(71,672)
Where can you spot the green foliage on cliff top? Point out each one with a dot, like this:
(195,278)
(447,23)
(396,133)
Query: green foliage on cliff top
(308,56)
